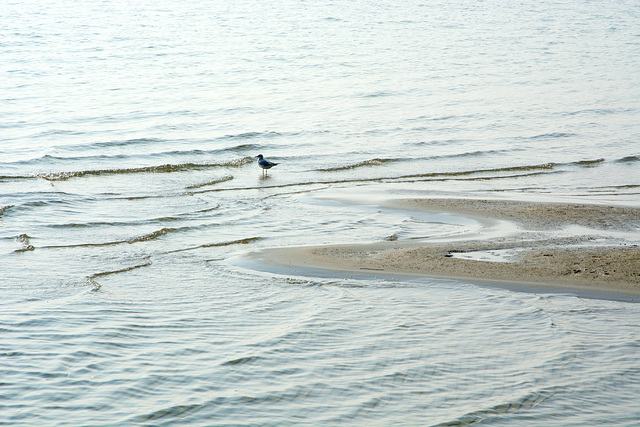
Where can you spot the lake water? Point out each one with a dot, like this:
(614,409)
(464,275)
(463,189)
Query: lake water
(128,186)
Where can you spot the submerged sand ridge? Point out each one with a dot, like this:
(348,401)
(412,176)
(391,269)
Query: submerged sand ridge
(538,215)
(569,245)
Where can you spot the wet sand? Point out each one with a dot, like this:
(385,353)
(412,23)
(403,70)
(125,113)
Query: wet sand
(568,246)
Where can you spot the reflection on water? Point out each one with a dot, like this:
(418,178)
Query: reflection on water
(128,183)
(244,346)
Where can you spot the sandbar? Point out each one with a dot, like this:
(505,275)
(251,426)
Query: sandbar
(563,245)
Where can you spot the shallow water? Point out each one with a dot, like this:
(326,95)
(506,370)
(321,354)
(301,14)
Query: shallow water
(128,186)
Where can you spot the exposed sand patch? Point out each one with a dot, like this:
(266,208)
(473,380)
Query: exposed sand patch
(537,215)
(542,252)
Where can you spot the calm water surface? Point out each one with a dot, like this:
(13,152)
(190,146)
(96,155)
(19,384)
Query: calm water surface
(128,186)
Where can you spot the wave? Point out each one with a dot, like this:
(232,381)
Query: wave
(4,209)
(48,158)
(526,402)
(477,153)
(95,286)
(249,135)
(147,141)
(371,162)
(49,199)
(242,147)
(58,132)
(242,360)
(378,162)
(471,174)
(552,135)
(144,238)
(147,150)
(51,159)
(245,241)
(181,412)
(589,111)
(542,166)
(115,143)
(439,142)
(139,239)
(24,240)
(212,182)
(91,278)
(628,159)
(156,141)
(378,94)
(166,168)
(112,150)
(152,236)
(434,176)
(142,222)
(588,162)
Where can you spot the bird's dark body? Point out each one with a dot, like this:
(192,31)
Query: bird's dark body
(264,163)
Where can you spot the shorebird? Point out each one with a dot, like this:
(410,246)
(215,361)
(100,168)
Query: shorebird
(264,163)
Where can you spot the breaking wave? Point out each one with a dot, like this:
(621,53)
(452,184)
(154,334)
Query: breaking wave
(628,159)
(143,238)
(379,162)
(588,162)
(151,236)
(371,162)
(167,168)
(4,209)
(24,240)
(91,279)
(212,182)
(245,241)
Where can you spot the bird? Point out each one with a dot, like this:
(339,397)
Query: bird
(264,163)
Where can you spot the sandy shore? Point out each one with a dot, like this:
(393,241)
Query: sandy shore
(573,246)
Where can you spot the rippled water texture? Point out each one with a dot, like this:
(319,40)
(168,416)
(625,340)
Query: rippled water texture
(128,186)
